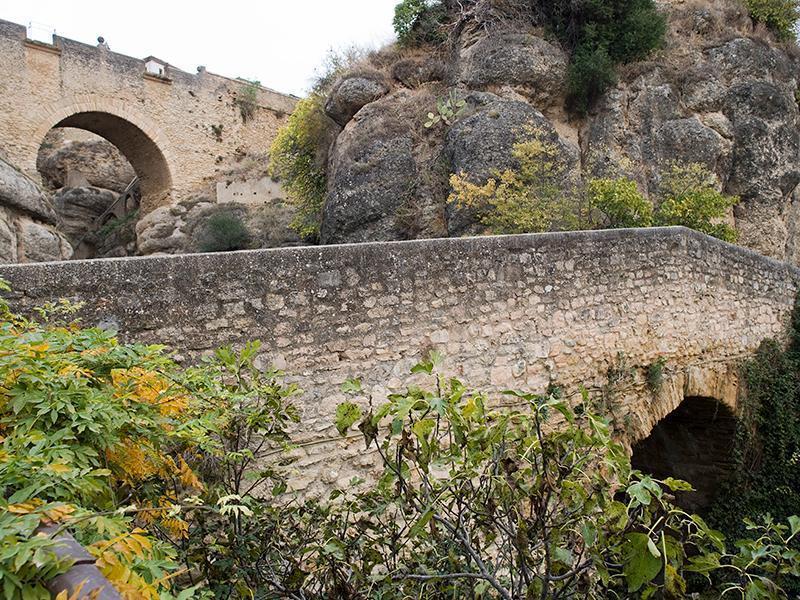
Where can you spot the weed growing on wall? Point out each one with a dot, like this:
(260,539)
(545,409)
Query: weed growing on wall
(247,100)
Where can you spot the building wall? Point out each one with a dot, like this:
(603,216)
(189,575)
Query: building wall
(192,119)
(507,312)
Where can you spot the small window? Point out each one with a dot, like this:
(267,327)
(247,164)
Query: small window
(155,68)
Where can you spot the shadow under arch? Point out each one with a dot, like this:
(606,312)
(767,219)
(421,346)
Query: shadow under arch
(694,443)
(139,148)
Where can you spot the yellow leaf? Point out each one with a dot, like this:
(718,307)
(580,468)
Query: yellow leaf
(59,468)
(24,508)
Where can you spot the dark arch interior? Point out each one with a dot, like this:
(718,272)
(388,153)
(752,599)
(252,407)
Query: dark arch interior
(694,443)
(142,152)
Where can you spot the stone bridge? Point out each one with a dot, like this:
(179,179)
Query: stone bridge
(175,128)
(588,308)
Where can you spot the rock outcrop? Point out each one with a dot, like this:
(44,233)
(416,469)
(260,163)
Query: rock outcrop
(93,162)
(27,221)
(722,93)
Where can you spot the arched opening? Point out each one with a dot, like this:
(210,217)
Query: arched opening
(694,443)
(101,168)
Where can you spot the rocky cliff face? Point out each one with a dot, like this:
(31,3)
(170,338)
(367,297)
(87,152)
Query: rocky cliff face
(722,93)
(28,221)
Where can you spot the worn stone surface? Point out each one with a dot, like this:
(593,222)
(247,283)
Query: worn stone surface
(80,208)
(507,312)
(39,243)
(372,172)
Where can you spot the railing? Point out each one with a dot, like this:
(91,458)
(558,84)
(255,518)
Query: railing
(98,221)
(83,575)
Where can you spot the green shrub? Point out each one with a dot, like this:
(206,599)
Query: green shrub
(89,427)
(620,202)
(531,199)
(601,34)
(297,158)
(689,197)
(419,21)
(780,16)
(222,231)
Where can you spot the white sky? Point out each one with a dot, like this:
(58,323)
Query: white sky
(278,42)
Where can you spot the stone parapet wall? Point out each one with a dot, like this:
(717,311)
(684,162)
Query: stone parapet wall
(507,312)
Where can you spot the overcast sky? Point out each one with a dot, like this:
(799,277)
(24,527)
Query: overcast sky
(278,42)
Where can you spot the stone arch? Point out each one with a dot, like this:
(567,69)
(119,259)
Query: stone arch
(693,438)
(138,139)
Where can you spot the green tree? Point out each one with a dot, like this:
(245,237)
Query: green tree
(419,21)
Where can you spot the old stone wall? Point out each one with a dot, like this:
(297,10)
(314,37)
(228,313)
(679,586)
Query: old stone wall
(175,129)
(507,312)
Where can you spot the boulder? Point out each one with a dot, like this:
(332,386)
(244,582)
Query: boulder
(366,194)
(39,243)
(79,208)
(352,93)
(20,193)
(520,60)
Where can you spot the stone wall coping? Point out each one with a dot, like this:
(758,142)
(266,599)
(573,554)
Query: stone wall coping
(428,247)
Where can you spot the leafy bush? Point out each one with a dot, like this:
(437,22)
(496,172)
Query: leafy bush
(89,428)
(97,438)
(620,202)
(689,197)
(508,504)
(296,158)
(223,231)
(780,16)
(419,21)
(533,198)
